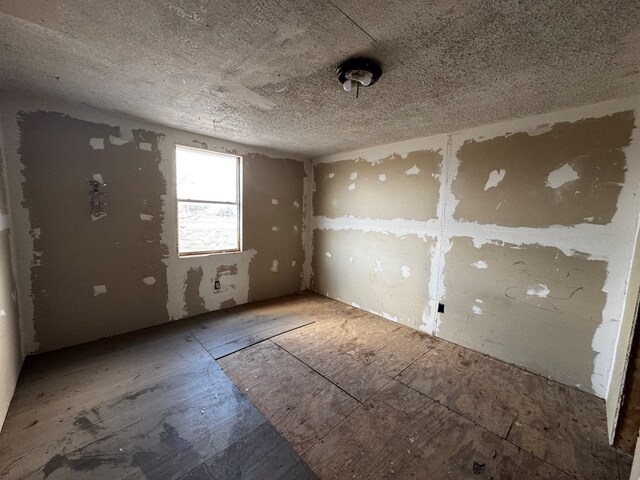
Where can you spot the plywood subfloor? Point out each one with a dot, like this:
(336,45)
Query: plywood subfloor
(153,404)
(359,396)
(343,394)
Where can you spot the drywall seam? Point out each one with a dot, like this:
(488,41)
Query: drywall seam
(397,226)
(443,244)
(308,225)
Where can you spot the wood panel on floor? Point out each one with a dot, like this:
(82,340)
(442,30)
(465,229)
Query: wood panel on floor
(246,337)
(301,404)
(400,433)
(247,325)
(356,350)
(559,424)
(260,455)
(89,420)
(564,426)
(150,404)
(474,385)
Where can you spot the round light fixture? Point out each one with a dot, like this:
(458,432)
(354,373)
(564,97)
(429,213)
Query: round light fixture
(358,72)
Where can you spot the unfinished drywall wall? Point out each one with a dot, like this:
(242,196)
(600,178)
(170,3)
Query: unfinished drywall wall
(365,189)
(525,304)
(383,272)
(273,224)
(530,246)
(375,218)
(10,344)
(82,278)
(563,174)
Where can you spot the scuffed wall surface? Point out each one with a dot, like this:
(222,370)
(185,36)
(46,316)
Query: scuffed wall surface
(10,344)
(530,305)
(532,240)
(80,279)
(383,273)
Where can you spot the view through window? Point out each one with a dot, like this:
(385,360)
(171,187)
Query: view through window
(208,191)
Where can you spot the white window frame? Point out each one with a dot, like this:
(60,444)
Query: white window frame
(238,201)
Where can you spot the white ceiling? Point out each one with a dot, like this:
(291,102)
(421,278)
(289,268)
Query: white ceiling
(263,72)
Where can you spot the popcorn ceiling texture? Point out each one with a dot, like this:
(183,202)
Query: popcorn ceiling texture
(262,73)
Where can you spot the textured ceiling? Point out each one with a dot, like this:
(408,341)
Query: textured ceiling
(262,72)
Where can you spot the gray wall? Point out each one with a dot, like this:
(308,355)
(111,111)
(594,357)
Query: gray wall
(524,230)
(81,279)
(10,349)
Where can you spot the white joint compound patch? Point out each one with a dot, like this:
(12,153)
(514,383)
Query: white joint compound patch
(117,140)
(275,229)
(562,175)
(352,186)
(495,177)
(328,254)
(477,310)
(412,171)
(99,290)
(149,280)
(296,204)
(406,271)
(274,266)
(274,201)
(481,264)
(539,290)
(97,177)
(293,263)
(382,177)
(146,217)
(97,143)
(378,267)
(144,146)
(353,175)
(331,175)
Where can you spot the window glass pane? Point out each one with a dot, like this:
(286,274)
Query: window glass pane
(202,175)
(205,227)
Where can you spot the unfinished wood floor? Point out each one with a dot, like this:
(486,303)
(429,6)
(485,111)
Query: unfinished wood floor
(354,395)
(153,404)
(358,396)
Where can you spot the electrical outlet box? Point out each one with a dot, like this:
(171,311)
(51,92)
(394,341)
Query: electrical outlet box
(441,308)
(216,285)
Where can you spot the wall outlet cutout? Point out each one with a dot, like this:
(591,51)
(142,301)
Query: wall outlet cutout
(441,308)
(216,285)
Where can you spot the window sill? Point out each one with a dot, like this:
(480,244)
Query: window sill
(208,254)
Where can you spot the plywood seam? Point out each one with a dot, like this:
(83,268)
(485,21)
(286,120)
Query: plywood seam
(490,432)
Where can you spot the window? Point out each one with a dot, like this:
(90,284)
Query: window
(208,191)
